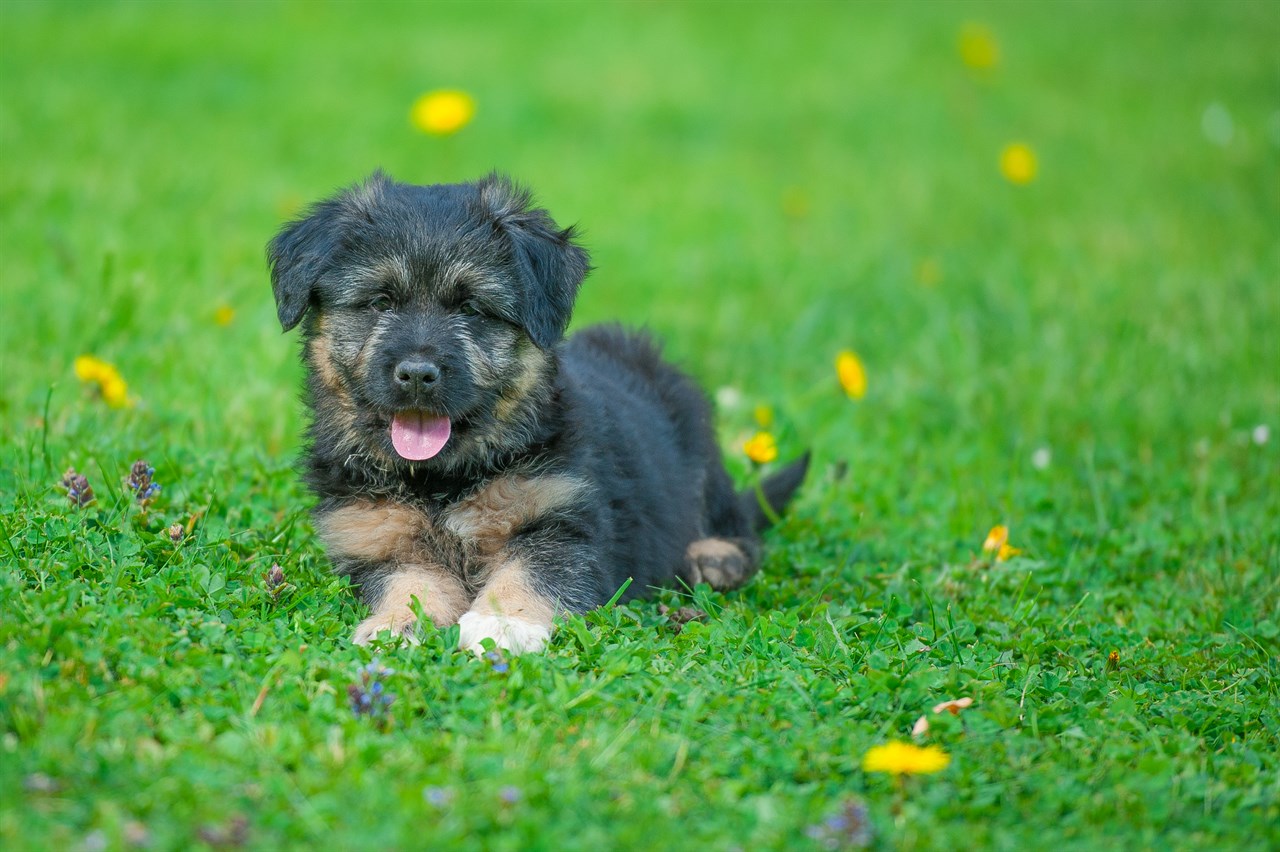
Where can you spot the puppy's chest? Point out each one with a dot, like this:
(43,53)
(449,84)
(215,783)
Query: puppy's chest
(465,535)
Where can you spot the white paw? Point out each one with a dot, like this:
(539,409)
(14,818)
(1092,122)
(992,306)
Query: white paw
(401,627)
(510,634)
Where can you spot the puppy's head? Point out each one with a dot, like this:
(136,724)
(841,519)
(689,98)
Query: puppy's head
(428,315)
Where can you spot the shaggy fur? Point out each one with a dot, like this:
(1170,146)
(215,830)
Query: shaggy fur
(570,465)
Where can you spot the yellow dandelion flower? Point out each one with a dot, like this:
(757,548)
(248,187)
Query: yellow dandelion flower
(996,539)
(764,416)
(443,111)
(115,392)
(1007,552)
(905,759)
(853,378)
(1018,163)
(978,47)
(997,542)
(89,368)
(224,315)
(761,448)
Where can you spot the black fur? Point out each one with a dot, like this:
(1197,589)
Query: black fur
(475,280)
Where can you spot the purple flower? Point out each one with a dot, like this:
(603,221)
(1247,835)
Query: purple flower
(509,795)
(439,797)
(275,581)
(79,492)
(497,661)
(38,782)
(369,697)
(235,832)
(140,483)
(850,828)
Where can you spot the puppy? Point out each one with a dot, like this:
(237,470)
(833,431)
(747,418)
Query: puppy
(464,454)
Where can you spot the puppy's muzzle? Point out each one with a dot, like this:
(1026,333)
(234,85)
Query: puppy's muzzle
(416,376)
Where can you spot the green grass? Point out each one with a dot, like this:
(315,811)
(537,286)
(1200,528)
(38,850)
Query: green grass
(760,184)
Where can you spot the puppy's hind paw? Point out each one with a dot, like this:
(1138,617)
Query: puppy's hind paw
(720,563)
(401,627)
(510,634)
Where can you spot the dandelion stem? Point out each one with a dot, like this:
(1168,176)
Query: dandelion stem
(768,510)
(899,796)
(44,433)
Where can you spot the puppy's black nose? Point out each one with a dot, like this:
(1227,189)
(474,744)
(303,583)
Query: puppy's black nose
(414,374)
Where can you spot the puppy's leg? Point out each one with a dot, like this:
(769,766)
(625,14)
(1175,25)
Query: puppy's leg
(722,563)
(379,543)
(390,593)
(510,610)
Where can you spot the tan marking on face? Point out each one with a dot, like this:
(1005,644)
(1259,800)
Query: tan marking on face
(509,594)
(320,358)
(533,367)
(489,517)
(377,531)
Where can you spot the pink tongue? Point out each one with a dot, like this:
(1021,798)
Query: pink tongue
(417,436)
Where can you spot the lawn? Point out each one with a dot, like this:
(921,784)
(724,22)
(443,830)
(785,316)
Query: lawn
(1081,346)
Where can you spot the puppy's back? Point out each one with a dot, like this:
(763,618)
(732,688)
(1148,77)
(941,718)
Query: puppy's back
(638,367)
(644,429)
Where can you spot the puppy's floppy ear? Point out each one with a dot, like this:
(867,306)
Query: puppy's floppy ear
(305,247)
(549,263)
(297,256)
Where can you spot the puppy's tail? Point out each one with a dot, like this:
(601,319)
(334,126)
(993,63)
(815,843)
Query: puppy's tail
(778,489)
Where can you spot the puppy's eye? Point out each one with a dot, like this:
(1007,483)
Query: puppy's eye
(469,308)
(382,304)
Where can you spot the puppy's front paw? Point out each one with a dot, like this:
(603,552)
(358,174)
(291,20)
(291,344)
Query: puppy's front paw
(510,634)
(403,627)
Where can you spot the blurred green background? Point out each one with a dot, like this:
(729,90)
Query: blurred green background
(1092,357)
(760,183)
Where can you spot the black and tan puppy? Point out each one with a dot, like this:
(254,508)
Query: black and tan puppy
(464,453)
